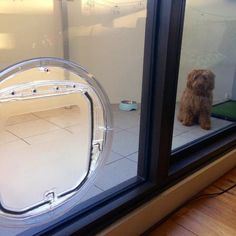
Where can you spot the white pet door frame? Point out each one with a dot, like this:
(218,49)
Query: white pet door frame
(55,133)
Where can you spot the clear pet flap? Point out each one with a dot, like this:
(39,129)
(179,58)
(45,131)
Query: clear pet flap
(55,130)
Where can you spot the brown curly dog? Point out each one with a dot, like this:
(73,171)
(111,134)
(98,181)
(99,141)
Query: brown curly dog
(196,100)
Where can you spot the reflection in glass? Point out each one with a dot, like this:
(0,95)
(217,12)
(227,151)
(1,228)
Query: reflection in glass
(106,38)
(207,75)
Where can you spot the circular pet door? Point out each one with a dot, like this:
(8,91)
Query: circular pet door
(55,130)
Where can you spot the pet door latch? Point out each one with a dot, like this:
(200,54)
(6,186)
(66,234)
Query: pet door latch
(50,196)
(97,149)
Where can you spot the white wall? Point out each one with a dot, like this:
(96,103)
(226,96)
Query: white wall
(29,29)
(109,42)
(209,41)
(109,45)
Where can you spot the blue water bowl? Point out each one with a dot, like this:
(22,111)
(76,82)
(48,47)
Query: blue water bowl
(128,105)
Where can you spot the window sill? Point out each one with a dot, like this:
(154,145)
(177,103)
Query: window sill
(153,211)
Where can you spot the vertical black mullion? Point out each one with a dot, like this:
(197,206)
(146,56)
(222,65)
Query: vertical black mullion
(173,63)
(159,152)
(172,74)
(167,52)
(152,24)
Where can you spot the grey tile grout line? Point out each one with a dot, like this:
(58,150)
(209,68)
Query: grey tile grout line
(115,132)
(117,153)
(136,162)
(132,154)
(197,136)
(38,118)
(187,131)
(45,119)
(17,123)
(22,139)
(132,133)
(63,128)
(35,115)
(112,162)
(123,157)
(66,128)
(51,131)
(99,187)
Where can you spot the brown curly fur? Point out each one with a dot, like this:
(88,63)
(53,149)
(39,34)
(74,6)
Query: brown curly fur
(196,100)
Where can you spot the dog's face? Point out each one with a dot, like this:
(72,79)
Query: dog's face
(201,81)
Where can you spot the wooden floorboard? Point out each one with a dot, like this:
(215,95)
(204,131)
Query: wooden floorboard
(206,216)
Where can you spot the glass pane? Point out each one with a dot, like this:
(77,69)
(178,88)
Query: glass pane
(106,38)
(206,96)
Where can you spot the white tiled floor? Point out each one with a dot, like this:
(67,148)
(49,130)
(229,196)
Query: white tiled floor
(121,165)
(41,151)
(183,134)
(32,128)
(125,143)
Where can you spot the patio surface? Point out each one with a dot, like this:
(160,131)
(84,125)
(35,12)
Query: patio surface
(122,162)
(34,129)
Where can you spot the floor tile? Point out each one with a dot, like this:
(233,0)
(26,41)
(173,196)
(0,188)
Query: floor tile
(125,143)
(59,135)
(177,132)
(12,146)
(113,157)
(57,112)
(198,132)
(125,120)
(31,128)
(189,136)
(116,129)
(35,164)
(134,130)
(219,123)
(20,119)
(10,231)
(179,141)
(93,191)
(184,134)
(178,126)
(75,129)
(133,157)
(116,173)
(6,137)
(115,108)
(66,120)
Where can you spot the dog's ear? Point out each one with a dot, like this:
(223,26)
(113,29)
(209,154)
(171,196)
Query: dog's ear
(211,78)
(191,77)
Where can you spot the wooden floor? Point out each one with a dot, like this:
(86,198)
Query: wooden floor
(206,216)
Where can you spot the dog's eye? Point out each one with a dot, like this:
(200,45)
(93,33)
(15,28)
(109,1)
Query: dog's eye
(203,77)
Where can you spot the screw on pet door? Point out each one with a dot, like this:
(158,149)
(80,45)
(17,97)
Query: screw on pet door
(55,134)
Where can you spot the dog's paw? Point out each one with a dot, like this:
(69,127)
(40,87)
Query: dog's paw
(187,123)
(179,119)
(205,126)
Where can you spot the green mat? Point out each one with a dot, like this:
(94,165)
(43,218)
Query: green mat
(225,110)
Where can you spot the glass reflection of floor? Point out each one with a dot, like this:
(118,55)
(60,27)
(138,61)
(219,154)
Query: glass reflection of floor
(183,134)
(122,162)
(39,153)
